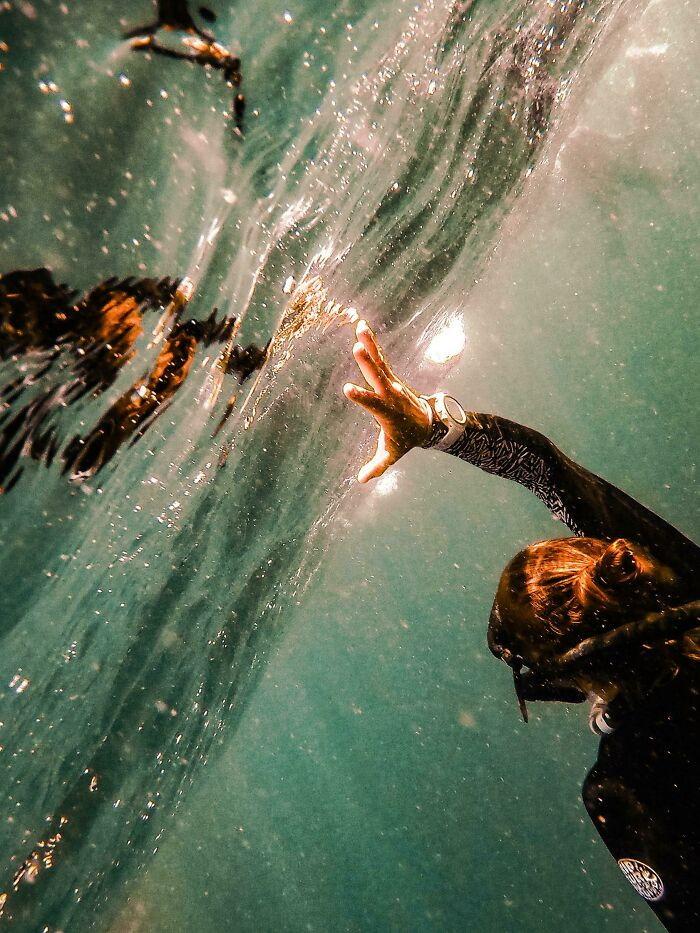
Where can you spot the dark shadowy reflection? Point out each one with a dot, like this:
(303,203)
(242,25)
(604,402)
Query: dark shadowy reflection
(77,349)
(198,46)
(136,410)
(38,315)
(175,15)
(244,361)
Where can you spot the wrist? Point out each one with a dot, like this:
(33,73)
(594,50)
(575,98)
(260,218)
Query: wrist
(448,420)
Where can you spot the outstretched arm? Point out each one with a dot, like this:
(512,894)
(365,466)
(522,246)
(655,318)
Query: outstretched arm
(586,503)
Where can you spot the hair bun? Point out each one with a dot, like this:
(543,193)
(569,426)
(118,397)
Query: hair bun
(617,564)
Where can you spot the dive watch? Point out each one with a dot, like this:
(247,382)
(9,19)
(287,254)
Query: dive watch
(448,419)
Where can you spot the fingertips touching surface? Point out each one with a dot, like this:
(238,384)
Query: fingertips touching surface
(369,369)
(368,340)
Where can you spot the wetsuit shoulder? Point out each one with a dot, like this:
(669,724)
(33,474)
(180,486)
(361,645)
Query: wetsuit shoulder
(588,504)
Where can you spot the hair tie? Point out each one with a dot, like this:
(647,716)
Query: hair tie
(617,564)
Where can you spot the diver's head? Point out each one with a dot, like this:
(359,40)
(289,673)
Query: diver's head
(554,594)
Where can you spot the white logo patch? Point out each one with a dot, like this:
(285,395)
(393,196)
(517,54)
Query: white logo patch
(643,879)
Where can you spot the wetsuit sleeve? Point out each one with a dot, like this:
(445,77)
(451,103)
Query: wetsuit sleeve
(586,503)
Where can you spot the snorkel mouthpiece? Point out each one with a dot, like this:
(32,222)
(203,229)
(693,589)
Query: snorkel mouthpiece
(518,684)
(496,632)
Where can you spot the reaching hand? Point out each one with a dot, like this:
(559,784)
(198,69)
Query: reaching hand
(404,421)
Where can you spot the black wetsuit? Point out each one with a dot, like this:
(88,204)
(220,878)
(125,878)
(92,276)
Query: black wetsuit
(642,794)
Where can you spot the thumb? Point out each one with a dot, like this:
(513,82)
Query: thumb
(379,463)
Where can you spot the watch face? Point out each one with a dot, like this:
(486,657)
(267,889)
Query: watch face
(455,410)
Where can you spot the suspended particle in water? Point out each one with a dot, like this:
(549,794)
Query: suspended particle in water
(18,683)
(67,109)
(124,80)
(289,285)
(70,652)
(287,17)
(466,719)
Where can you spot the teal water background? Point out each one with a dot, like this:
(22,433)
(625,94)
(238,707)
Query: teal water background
(342,751)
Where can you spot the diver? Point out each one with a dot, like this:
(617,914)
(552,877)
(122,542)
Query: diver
(200,52)
(209,54)
(108,321)
(611,615)
(174,15)
(199,47)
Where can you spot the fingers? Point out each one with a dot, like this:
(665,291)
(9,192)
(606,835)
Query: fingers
(366,399)
(365,336)
(381,461)
(372,362)
(385,400)
(369,369)
(376,406)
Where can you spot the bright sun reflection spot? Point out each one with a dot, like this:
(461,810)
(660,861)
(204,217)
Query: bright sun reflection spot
(655,51)
(448,343)
(387,483)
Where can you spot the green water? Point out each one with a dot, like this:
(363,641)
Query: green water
(344,754)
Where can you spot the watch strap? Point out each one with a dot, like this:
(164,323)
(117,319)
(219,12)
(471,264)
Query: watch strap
(447,426)
(438,429)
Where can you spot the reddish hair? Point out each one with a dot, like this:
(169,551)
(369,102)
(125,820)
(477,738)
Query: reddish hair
(555,593)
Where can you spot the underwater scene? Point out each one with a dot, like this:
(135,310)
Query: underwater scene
(239,689)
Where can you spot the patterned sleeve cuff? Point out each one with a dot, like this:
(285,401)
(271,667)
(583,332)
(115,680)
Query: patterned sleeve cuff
(448,418)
